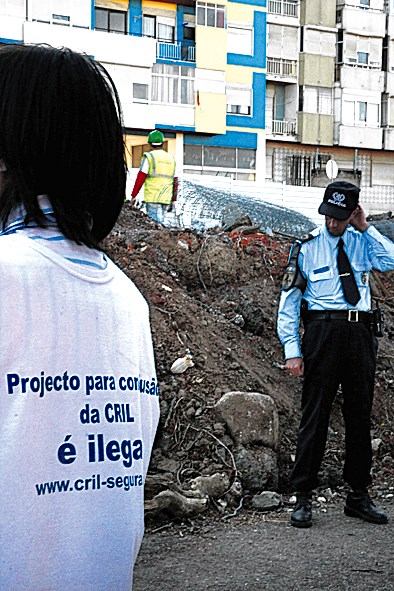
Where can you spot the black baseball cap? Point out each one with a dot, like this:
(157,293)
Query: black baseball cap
(340,200)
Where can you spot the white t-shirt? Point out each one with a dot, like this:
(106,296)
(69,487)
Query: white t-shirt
(78,415)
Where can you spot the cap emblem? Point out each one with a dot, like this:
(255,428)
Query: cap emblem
(337,199)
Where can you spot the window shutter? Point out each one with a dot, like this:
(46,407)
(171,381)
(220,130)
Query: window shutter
(351,48)
(114,5)
(312,41)
(275,40)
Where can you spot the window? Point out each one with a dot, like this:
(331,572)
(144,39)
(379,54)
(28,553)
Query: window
(217,156)
(385,108)
(319,42)
(165,32)
(299,170)
(374,115)
(192,155)
(111,21)
(239,163)
(210,15)
(238,100)
(364,4)
(383,173)
(240,40)
(172,84)
(317,100)
(282,40)
(246,158)
(159,28)
(361,113)
(363,51)
(149,26)
(362,58)
(140,93)
(189,32)
(60,19)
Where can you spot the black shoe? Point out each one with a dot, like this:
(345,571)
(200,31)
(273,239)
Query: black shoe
(302,514)
(358,504)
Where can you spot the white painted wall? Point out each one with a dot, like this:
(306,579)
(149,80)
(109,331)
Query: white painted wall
(104,47)
(11,28)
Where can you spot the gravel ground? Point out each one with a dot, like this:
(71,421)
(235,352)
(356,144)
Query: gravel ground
(263,552)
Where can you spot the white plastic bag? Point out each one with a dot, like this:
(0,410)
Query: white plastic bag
(182,364)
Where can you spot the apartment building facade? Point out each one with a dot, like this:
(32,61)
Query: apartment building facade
(263,91)
(330,72)
(194,69)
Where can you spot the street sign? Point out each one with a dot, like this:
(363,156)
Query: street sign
(332,169)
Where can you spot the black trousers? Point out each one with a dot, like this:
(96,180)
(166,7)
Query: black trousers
(336,352)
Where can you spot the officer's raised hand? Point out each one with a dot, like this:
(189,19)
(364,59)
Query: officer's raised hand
(358,219)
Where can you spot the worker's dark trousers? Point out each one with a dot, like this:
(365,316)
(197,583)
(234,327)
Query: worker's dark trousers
(336,352)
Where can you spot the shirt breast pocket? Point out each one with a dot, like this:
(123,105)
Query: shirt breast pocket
(361,274)
(322,280)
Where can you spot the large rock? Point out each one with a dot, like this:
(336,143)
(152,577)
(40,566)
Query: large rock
(251,418)
(258,468)
(212,486)
(170,504)
(266,501)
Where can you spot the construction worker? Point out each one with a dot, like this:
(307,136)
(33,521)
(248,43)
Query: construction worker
(157,172)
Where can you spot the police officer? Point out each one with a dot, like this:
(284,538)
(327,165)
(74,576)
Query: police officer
(156,173)
(328,286)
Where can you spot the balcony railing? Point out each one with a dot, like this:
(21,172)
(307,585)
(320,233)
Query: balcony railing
(283,127)
(176,51)
(281,67)
(283,8)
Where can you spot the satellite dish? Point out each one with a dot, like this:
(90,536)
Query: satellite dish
(332,169)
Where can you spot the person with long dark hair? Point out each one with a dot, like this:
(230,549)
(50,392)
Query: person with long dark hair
(78,389)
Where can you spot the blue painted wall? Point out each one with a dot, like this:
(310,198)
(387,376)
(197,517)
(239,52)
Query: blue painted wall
(258,59)
(257,119)
(261,3)
(231,139)
(135,18)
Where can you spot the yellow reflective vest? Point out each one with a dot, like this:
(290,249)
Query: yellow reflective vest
(159,184)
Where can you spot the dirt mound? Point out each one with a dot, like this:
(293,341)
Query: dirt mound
(215,294)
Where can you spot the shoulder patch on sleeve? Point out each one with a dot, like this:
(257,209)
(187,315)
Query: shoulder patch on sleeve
(306,238)
(292,276)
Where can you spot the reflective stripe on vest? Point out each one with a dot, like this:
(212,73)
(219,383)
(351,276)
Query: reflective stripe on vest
(158,186)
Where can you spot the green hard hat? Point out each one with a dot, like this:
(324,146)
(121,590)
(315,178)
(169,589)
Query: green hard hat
(155,137)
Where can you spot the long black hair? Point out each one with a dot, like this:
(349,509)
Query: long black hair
(61,135)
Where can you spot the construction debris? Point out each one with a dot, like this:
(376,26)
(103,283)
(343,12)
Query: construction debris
(219,306)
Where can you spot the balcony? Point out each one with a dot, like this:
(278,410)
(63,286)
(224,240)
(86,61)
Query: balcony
(283,8)
(278,67)
(360,78)
(360,137)
(388,138)
(315,128)
(175,51)
(363,22)
(285,127)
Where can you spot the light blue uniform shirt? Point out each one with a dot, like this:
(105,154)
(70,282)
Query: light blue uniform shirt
(318,263)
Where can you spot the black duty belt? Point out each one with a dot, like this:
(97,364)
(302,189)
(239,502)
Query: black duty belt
(348,315)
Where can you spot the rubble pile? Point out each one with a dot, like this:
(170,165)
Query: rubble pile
(229,413)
